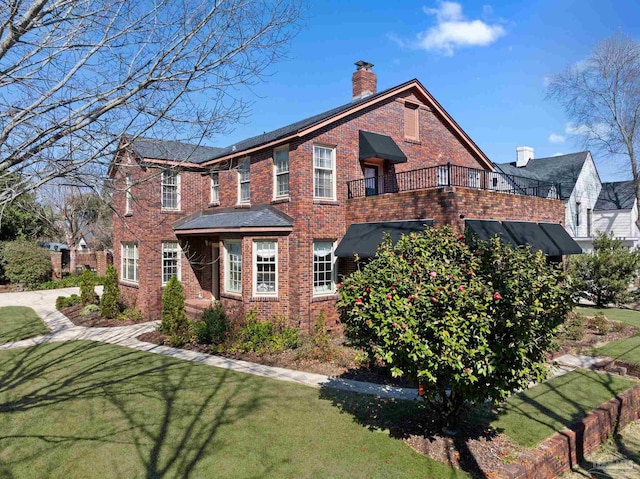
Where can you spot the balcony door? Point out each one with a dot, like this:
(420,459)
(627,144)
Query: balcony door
(371,177)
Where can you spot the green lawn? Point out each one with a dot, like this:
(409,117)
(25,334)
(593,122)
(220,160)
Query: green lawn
(539,412)
(628,316)
(18,322)
(624,349)
(83,409)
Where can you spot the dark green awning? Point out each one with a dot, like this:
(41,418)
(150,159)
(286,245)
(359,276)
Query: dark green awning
(487,229)
(364,238)
(525,233)
(561,238)
(374,145)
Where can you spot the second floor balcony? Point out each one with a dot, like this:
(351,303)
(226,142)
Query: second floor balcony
(451,175)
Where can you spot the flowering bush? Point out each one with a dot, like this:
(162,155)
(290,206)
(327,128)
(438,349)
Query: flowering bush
(470,321)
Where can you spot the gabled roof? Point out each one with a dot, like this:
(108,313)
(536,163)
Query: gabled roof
(169,150)
(234,219)
(563,169)
(617,195)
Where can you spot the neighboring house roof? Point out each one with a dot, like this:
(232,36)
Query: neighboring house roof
(232,219)
(54,246)
(563,169)
(169,150)
(617,195)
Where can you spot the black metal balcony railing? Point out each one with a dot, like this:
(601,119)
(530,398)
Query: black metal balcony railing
(451,175)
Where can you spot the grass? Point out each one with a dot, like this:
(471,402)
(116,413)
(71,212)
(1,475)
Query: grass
(627,349)
(627,316)
(535,414)
(19,322)
(83,409)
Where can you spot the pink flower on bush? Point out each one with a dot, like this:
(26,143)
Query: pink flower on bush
(433,274)
(461,288)
(433,299)
(368,290)
(497,296)
(393,288)
(388,296)
(410,298)
(358,300)
(351,287)
(395,325)
(460,236)
(403,326)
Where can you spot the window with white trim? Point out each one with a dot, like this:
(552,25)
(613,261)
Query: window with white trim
(324,172)
(130,262)
(128,195)
(281,172)
(233,267)
(323,268)
(244,181)
(170,190)
(170,261)
(215,187)
(265,268)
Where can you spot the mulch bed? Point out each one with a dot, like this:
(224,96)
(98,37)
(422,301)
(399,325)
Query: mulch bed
(92,320)
(592,340)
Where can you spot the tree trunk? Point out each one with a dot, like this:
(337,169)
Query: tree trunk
(73,248)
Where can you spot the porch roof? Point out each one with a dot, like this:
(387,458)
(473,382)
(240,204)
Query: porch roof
(255,219)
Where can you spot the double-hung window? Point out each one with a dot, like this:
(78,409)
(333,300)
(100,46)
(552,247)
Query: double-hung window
(265,268)
(324,172)
(130,262)
(128,195)
(323,268)
(215,188)
(170,261)
(281,172)
(233,267)
(244,181)
(170,190)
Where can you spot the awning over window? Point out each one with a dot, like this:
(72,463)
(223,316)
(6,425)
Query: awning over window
(374,145)
(560,237)
(552,239)
(532,234)
(487,229)
(364,238)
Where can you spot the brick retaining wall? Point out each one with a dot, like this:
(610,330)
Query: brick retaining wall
(566,448)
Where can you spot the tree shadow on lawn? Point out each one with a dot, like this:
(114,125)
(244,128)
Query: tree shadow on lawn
(170,411)
(23,331)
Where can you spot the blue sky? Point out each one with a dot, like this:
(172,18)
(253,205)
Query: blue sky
(486,63)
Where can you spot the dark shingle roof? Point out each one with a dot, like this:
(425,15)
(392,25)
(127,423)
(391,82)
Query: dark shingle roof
(563,169)
(617,195)
(231,218)
(172,150)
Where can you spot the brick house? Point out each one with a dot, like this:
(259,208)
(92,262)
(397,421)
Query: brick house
(271,222)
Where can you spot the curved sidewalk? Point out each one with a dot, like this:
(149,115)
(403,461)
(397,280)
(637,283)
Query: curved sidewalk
(62,329)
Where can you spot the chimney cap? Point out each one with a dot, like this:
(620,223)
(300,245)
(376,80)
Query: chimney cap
(362,65)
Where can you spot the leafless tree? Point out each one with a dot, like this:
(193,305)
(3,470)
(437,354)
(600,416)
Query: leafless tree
(601,96)
(77,75)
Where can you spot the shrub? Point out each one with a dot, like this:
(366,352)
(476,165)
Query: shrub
(471,321)
(87,288)
(90,308)
(25,263)
(174,317)
(69,281)
(318,346)
(604,275)
(131,314)
(67,301)
(110,295)
(599,324)
(617,326)
(213,326)
(267,336)
(574,327)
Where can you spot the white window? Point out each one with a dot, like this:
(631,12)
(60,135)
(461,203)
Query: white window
(130,262)
(323,268)
(128,195)
(244,181)
(170,190)
(215,188)
(170,261)
(281,170)
(265,268)
(233,267)
(324,168)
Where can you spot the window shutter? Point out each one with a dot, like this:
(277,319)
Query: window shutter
(411,121)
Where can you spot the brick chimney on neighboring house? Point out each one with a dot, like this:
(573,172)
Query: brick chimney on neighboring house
(364,80)
(524,154)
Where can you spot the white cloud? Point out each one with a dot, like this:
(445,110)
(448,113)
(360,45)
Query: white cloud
(555,138)
(597,130)
(453,31)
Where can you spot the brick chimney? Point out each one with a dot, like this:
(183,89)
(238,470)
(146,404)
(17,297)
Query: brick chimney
(524,154)
(364,80)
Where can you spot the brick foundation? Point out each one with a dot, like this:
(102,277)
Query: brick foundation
(56,265)
(565,449)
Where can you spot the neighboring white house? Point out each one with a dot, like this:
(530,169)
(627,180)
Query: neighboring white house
(617,212)
(579,181)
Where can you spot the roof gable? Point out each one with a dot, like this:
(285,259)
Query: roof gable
(617,195)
